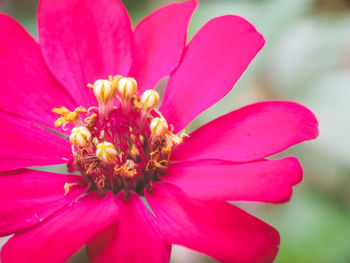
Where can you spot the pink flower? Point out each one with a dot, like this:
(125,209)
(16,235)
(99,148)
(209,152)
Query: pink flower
(130,151)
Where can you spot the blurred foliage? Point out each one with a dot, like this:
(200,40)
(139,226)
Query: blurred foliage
(332,7)
(306,59)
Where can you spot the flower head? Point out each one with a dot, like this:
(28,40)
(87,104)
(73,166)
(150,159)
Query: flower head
(122,147)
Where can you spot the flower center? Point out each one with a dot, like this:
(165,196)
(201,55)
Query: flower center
(123,147)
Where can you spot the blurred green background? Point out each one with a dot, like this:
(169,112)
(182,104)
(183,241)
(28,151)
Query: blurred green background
(306,59)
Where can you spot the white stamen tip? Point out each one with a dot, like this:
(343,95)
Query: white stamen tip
(106,152)
(127,88)
(104,90)
(80,136)
(149,99)
(159,127)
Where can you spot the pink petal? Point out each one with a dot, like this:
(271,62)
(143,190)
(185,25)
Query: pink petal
(27,144)
(213,61)
(27,87)
(217,229)
(134,238)
(59,237)
(159,41)
(250,133)
(84,40)
(265,181)
(28,197)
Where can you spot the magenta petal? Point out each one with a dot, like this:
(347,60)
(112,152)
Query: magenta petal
(28,197)
(134,238)
(215,228)
(250,133)
(27,144)
(159,41)
(59,237)
(213,61)
(27,87)
(264,181)
(84,40)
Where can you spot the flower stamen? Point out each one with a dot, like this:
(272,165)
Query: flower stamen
(80,136)
(106,152)
(127,88)
(159,127)
(120,148)
(68,116)
(149,100)
(126,170)
(67,187)
(105,93)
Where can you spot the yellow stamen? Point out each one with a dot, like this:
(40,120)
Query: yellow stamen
(126,170)
(172,139)
(133,152)
(115,80)
(68,116)
(67,186)
(100,181)
(90,121)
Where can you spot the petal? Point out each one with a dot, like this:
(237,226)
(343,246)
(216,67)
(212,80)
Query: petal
(250,133)
(59,237)
(136,230)
(26,144)
(27,87)
(217,229)
(28,197)
(213,61)
(264,181)
(159,42)
(91,41)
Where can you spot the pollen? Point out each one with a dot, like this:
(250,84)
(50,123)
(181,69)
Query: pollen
(106,152)
(126,170)
(80,136)
(149,100)
(159,127)
(68,116)
(67,187)
(127,88)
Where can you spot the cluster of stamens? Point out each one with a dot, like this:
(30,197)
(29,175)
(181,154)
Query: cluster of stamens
(125,142)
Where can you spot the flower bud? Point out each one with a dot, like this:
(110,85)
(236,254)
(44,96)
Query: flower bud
(159,127)
(104,90)
(149,99)
(80,136)
(127,88)
(106,152)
